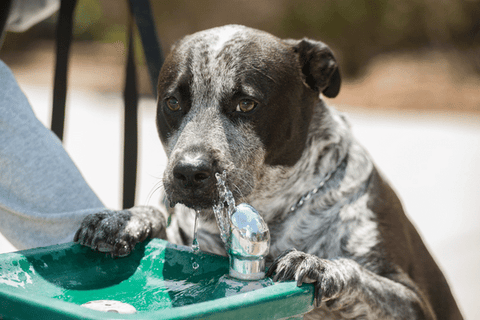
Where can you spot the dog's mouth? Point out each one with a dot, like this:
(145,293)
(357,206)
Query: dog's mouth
(221,189)
(193,202)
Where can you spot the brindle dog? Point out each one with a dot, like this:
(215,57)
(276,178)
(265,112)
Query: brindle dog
(244,101)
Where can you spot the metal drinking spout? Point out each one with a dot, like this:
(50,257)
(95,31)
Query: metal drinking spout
(249,243)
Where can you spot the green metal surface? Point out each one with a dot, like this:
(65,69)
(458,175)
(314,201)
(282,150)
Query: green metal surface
(161,280)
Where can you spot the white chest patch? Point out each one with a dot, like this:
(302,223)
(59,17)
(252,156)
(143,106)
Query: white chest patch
(364,233)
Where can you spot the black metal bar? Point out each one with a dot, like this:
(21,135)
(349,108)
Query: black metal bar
(130,148)
(63,41)
(4,11)
(142,12)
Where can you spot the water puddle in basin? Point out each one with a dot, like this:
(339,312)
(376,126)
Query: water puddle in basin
(159,278)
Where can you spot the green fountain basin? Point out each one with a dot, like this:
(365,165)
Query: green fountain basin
(160,280)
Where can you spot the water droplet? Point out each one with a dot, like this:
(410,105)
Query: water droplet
(195,265)
(195,245)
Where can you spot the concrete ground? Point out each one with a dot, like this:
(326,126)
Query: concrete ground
(432,160)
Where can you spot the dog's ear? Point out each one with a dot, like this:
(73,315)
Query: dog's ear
(318,65)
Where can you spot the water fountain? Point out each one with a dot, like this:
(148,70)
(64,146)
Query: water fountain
(157,281)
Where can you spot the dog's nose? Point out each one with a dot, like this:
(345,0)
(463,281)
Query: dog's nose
(193,172)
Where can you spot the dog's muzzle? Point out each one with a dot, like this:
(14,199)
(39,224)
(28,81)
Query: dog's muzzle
(192,181)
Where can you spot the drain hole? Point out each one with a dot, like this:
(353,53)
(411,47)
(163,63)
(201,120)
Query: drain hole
(112,306)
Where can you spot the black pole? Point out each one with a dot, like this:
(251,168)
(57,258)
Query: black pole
(63,41)
(142,16)
(130,148)
(4,11)
(142,12)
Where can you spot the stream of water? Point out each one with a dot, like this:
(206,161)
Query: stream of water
(224,208)
(195,245)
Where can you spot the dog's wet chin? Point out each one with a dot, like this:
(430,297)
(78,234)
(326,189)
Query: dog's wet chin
(192,201)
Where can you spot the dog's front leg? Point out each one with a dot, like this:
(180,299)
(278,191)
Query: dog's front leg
(348,289)
(117,232)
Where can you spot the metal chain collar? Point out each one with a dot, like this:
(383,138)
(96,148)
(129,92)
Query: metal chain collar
(311,193)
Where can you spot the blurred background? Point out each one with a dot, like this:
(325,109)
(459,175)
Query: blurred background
(430,49)
(411,72)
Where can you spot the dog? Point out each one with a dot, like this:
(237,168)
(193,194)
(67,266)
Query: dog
(243,101)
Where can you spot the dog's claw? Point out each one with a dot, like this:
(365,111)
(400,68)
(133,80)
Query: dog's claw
(122,249)
(278,275)
(318,295)
(270,270)
(274,264)
(102,246)
(300,276)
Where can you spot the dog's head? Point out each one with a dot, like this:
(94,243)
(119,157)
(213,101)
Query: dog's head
(237,99)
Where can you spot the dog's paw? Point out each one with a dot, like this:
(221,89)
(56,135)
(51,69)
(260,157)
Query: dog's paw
(329,277)
(117,232)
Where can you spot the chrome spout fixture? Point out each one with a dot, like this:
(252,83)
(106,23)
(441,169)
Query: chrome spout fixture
(248,244)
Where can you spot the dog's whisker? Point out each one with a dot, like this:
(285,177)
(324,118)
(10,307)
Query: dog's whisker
(157,187)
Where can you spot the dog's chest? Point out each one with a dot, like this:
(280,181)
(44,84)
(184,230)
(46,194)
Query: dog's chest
(344,229)
(308,232)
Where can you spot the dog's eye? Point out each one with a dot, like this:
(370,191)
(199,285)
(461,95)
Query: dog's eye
(246,105)
(173,104)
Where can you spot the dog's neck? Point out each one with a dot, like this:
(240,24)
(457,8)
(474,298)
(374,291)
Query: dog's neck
(327,146)
(312,193)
